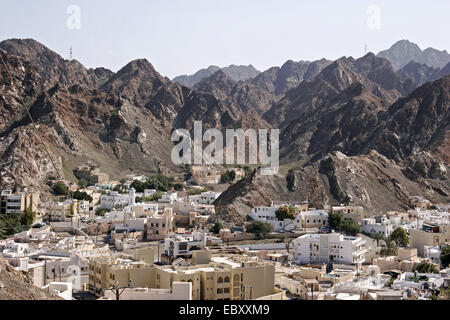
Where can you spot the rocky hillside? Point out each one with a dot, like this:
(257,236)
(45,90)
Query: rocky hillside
(17,286)
(52,67)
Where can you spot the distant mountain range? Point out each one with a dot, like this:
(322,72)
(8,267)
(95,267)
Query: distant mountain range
(404,51)
(237,73)
(353,131)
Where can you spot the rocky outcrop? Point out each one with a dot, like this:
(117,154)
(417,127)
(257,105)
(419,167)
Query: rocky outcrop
(17,286)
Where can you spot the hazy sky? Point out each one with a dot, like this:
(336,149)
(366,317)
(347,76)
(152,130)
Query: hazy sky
(183,36)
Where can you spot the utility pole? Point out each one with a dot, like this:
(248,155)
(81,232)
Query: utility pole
(117,289)
(45,272)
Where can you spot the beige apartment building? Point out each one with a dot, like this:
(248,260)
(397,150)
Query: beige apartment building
(225,277)
(432,237)
(355,213)
(122,270)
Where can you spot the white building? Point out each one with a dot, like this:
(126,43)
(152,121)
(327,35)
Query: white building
(169,197)
(326,248)
(208,197)
(114,199)
(61,289)
(371,226)
(303,220)
(180,246)
(10,202)
(433,253)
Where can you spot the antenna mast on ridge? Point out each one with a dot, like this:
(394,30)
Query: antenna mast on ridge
(71,53)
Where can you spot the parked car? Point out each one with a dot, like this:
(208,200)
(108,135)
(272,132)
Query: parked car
(325,229)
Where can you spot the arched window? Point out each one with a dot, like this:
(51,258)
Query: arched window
(220,280)
(227,279)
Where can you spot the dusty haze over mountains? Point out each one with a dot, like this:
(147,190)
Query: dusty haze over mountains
(370,131)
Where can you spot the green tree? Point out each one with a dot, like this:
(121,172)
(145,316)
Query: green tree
(445,256)
(260,229)
(377,237)
(81,195)
(228,176)
(389,247)
(400,237)
(100,212)
(178,186)
(27,217)
(350,228)
(60,189)
(139,186)
(216,228)
(426,267)
(335,220)
(195,192)
(156,196)
(285,212)
(160,183)
(3,230)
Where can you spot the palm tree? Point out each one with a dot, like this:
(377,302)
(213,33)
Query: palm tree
(377,237)
(390,247)
(3,230)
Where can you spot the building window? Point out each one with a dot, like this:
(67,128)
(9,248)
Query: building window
(220,280)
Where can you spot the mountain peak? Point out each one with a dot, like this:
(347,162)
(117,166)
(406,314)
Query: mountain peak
(405,51)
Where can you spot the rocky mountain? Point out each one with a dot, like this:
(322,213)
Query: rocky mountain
(358,150)
(192,80)
(55,69)
(415,74)
(237,73)
(241,96)
(376,74)
(278,80)
(404,51)
(352,131)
